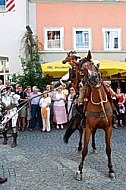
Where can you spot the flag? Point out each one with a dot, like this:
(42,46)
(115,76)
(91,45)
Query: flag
(7,5)
(10,5)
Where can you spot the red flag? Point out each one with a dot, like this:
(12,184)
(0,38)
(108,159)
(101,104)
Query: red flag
(10,5)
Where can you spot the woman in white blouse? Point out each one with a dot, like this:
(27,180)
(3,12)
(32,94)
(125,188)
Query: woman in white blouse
(44,103)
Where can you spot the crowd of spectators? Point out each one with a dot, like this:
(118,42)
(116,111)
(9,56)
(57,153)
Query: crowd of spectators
(53,107)
(40,110)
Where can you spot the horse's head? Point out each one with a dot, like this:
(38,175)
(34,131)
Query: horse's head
(89,69)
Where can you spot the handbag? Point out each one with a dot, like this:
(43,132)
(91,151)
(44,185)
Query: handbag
(44,112)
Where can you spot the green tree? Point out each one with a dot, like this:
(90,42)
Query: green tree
(31,63)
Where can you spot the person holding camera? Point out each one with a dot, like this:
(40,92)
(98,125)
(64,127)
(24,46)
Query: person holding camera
(120,106)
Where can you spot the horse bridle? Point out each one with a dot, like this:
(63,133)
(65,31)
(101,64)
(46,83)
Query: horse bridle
(93,77)
(94,80)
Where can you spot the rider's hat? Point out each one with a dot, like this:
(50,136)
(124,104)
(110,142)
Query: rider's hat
(71,55)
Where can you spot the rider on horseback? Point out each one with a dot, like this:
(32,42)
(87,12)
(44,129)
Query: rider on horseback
(79,82)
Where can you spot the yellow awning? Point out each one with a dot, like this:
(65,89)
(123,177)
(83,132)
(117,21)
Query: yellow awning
(109,67)
(57,69)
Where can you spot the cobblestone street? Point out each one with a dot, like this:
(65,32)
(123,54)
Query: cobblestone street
(42,161)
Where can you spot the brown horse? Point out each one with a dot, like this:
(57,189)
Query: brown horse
(78,121)
(98,113)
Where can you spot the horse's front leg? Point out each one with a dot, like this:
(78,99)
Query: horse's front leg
(81,134)
(93,142)
(87,135)
(108,134)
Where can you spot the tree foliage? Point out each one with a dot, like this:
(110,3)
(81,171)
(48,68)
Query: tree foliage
(31,64)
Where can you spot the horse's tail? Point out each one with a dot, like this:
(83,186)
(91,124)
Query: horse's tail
(73,125)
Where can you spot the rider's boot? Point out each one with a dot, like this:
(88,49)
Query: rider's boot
(14,144)
(5,138)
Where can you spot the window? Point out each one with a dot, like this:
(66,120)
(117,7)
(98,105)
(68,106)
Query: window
(2,6)
(53,38)
(109,0)
(112,39)
(4,66)
(81,0)
(82,39)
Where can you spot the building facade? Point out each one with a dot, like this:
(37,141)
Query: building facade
(61,26)
(80,25)
(12,28)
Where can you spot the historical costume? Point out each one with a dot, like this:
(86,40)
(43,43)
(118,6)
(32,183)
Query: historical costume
(9,106)
(77,82)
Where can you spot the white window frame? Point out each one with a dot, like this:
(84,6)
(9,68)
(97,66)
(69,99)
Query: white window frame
(74,38)
(119,38)
(61,29)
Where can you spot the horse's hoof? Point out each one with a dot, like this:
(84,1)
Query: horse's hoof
(112,175)
(95,151)
(78,176)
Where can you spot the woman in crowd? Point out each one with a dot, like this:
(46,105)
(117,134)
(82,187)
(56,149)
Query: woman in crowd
(44,103)
(65,91)
(120,106)
(70,103)
(51,94)
(60,116)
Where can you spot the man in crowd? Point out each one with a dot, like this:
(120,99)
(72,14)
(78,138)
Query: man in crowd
(22,113)
(35,108)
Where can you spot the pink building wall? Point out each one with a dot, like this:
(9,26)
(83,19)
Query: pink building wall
(91,15)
